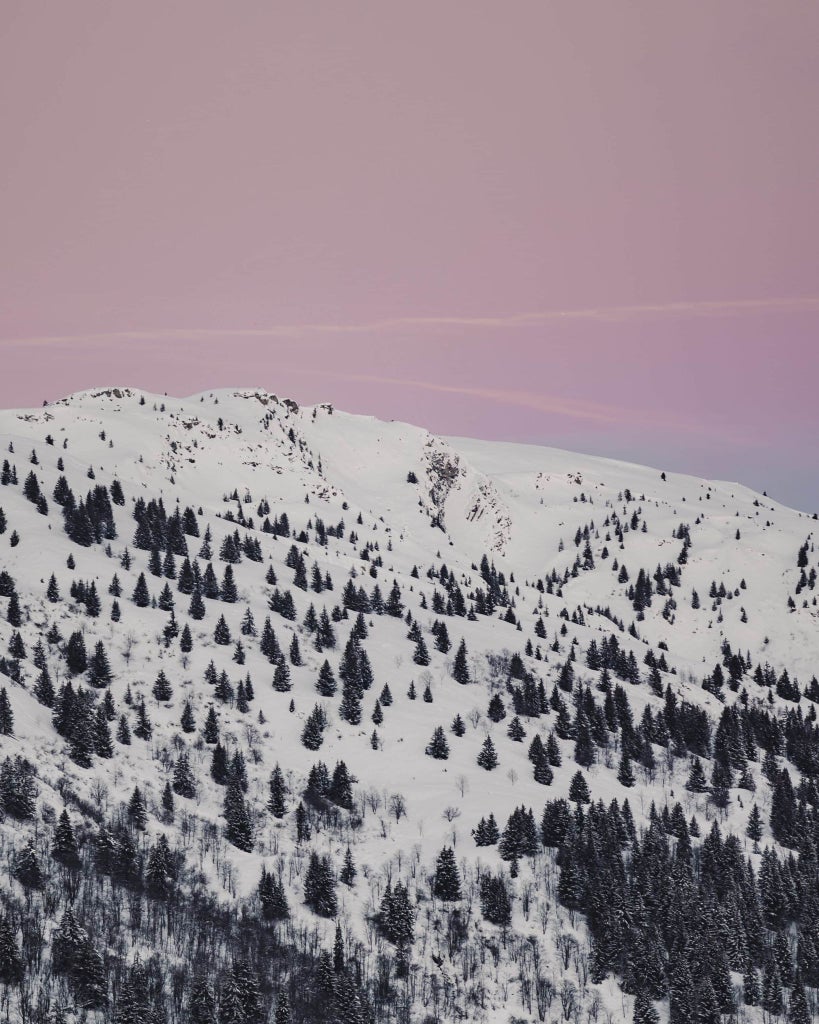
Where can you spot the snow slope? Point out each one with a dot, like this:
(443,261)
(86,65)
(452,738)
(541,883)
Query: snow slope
(519,505)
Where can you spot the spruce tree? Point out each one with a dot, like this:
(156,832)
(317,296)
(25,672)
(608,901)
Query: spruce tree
(438,746)
(26,867)
(137,813)
(276,802)
(460,667)
(183,781)
(64,847)
(326,683)
(579,789)
(697,783)
(488,758)
(11,962)
(447,882)
(162,690)
(6,714)
(239,829)
(625,773)
(348,871)
(320,887)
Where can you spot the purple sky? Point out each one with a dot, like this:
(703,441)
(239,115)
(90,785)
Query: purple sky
(591,225)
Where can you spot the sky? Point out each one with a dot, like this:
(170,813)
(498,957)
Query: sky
(586,225)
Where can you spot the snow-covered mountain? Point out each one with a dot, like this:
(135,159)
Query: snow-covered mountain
(626,619)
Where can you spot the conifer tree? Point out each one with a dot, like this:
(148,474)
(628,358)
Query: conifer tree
(141,596)
(460,667)
(625,773)
(137,813)
(579,789)
(320,887)
(183,781)
(447,882)
(488,758)
(312,735)
(187,721)
(6,714)
(276,802)
(239,829)
(11,962)
(326,684)
(123,731)
(697,783)
(438,747)
(348,871)
(27,868)
(64,847)
(162,690)
(754,829)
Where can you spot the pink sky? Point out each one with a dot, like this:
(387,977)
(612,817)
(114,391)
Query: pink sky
(593,225)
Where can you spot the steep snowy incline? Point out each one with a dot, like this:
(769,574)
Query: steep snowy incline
(303,579)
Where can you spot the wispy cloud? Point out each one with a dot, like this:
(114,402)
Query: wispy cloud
(597,413)
(512,321)
(556,405)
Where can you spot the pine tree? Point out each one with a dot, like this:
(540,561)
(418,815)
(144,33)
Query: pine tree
(6,714)
(201,1005)
(348,871)
(496,710)
(239,829)
(350,707)
(143,728)
(488,758)
(276,802)
(496,906)
(137,813)
(486,833)
(211,730)
(697,783)
(64,847)
(421,654)
(273,898)
(187,721)
(644,1010)
(326,684)
(282,1009)
(579,789)
(798,1012)
(447,881)
(625,773)
(221,633)
(162,690)
(27,869)
(103,747)
(340,790)
(123,731)
(438,746)
(460,667)
(219,767)
(141,596)
(312,735)
(754,829)
(771,989)
(44,688)
(183,781)
(11,962)
(320,887)
(281,677)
